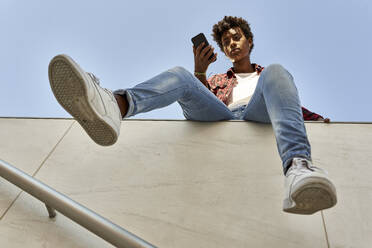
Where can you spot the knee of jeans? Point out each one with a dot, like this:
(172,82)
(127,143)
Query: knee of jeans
(276,71)
(184,75)
(179,70)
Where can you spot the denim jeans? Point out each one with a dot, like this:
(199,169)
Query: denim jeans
(274,101)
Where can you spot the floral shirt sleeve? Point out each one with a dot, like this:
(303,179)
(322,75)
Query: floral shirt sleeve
(310,116)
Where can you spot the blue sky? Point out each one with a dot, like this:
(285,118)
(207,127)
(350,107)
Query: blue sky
(326,45)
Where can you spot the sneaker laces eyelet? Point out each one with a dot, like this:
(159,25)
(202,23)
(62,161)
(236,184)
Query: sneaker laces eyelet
(306,164)
(97,81)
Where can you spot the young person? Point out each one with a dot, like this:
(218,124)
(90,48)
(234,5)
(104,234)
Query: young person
(246,92)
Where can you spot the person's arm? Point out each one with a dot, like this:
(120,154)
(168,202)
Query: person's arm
(202,78)
(202,61)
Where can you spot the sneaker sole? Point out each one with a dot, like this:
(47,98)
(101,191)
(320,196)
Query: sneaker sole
(69,88)
(312,195)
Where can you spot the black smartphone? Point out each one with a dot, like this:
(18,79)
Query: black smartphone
(198,39)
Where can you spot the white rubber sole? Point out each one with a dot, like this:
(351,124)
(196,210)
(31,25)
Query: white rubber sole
(69,87)
(311,195)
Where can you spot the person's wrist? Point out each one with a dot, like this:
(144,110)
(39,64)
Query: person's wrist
(196,73)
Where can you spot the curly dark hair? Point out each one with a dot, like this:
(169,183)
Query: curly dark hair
(231,22)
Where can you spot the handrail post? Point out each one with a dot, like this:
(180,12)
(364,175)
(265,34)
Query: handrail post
(51,211)
(95,223)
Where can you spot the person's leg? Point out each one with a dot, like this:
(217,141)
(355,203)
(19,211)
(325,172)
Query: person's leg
(276,101)
(307,188)
(176,84)
(100,112)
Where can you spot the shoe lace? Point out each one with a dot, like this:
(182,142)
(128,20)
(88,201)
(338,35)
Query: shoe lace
(94,78)
(97,81)
(305,163)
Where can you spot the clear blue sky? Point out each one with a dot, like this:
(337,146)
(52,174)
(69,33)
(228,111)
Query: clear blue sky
(326,45)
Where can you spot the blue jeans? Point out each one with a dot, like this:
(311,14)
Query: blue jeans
(274,101)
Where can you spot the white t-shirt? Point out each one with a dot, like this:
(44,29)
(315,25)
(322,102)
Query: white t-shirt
(244,90)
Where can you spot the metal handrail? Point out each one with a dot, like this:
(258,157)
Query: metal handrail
(95,223)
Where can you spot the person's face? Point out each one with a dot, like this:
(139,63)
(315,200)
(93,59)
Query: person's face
(235,46)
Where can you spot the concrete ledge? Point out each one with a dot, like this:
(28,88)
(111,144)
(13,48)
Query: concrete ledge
(184,184)
(135,119)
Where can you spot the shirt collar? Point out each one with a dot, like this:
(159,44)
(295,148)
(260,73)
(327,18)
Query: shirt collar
(231,72)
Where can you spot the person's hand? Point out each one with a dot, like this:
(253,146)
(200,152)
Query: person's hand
(201,57)
(326,120)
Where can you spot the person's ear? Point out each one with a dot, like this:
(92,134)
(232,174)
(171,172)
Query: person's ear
(224,52)
(223,49)
(250,42)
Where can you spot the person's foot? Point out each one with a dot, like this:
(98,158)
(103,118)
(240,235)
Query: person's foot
(79,93)
(308,188)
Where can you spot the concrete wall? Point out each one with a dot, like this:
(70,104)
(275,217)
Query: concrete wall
(184,184)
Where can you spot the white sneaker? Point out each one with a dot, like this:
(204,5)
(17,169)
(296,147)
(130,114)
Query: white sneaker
(307,188)
(78,92)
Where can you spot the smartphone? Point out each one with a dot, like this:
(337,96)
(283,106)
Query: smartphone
(198,39)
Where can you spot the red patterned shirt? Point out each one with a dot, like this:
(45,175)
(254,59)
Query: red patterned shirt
(222,86)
